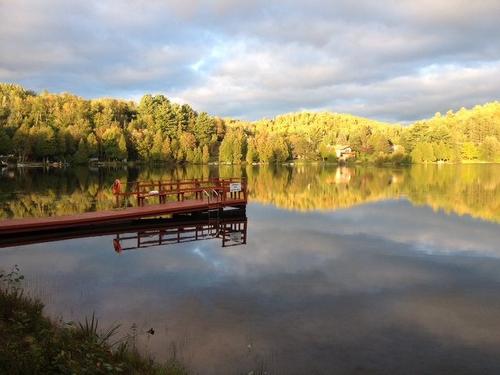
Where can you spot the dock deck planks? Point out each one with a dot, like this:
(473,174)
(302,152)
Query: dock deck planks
(112,216)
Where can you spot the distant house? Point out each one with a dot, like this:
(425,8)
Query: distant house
(344,152)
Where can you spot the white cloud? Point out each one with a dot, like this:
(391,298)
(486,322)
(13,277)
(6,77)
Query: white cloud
(390,60)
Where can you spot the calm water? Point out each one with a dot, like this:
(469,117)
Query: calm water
(345,270)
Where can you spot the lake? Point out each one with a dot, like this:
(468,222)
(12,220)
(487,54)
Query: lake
(345,270)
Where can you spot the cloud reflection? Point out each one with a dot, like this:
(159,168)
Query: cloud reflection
(344,291)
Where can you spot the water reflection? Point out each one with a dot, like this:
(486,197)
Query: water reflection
(231,232)
(403,283)
(349,291)
(463,189)
(230,227)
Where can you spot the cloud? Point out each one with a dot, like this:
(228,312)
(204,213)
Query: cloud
(390,60)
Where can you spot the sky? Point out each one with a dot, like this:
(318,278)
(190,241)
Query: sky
(387,59)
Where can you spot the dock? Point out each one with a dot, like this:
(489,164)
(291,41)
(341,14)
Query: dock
(190,196)
(230,227)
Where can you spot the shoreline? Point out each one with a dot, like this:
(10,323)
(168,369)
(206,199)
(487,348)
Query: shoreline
(33,343)
(287,163)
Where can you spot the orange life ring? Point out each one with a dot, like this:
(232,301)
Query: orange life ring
(117,187)
(117,246)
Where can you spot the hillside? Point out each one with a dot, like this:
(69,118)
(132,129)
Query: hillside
(65,127)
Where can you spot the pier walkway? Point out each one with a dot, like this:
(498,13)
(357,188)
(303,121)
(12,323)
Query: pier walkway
(192,196)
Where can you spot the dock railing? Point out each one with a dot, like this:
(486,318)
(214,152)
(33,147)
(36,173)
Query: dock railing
(213,189)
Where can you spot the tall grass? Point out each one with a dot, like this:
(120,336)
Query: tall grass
(30,343)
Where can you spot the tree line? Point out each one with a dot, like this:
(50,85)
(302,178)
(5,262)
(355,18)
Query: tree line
(65,127)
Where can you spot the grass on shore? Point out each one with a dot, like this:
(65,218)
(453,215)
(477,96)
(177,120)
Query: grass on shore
(33,344)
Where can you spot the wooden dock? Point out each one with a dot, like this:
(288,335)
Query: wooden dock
(193,196)
(146,232)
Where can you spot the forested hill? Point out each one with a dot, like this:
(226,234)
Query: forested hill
(65,127)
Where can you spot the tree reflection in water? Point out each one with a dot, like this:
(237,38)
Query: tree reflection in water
(462,189)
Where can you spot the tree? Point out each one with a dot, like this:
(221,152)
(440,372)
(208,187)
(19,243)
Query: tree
(92,146)
(180,156)
(5,143)
(166,150)
(82,154)
(157,148)
(238,146)
(417,155)
(114,144)
(61,140)
(204,128)
(469,151)
(428,152)
(197,156)
(441,151)
(122,147)
(379,143)
(43,126)
(226,149)
(280,152)
(44,142)
(264,147)
(22,143)
(190,156)
(187,141)
(251,151)
(205,158)
(490,149)
(327,152)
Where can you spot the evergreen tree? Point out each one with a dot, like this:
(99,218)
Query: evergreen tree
(204,128)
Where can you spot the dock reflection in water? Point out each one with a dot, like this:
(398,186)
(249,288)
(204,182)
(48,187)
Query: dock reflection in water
(230,227)
(231,232)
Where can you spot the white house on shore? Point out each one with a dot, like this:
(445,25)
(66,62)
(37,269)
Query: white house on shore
(344,152)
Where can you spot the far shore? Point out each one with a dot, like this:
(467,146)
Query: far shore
(291,162)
